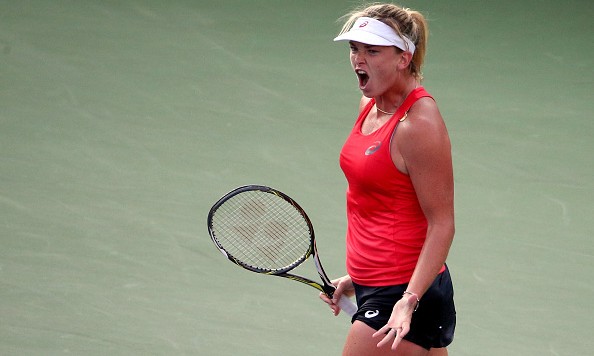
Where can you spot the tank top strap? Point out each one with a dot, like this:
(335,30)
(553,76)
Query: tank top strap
(400,113)
(412,98)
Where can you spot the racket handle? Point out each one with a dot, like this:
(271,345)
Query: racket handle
(346,304)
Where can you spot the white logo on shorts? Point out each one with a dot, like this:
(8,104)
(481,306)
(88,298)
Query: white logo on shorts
(371,314)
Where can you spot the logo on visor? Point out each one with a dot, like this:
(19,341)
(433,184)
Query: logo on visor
(363,24)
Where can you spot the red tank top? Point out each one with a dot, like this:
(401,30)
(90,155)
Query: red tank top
(386,225)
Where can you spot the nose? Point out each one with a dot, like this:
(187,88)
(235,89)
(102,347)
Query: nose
(357,57)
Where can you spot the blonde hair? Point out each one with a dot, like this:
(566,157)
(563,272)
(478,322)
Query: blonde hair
(406,22)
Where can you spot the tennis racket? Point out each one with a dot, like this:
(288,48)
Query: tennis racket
(265,231)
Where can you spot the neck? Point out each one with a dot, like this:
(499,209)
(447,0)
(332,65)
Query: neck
(390,101)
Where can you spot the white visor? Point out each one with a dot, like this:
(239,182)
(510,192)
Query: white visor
(376,33)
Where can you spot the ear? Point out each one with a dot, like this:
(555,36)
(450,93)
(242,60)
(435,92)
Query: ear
(405,59)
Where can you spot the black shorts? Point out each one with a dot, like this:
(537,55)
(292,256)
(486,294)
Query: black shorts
(433,323)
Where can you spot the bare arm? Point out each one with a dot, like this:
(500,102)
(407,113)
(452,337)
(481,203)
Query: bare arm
(422,150)
(425,148)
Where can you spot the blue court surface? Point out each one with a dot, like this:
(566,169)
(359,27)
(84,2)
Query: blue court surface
(122,122)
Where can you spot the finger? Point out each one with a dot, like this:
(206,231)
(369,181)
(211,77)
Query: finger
(381,331)
(397,340)
(402,331)
(405,329)
(335,308)
(387,338)
(325,298)
(336,295)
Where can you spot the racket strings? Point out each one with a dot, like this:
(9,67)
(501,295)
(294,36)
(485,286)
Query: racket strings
(262,230)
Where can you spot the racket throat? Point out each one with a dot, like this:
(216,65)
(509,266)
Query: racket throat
(328,288)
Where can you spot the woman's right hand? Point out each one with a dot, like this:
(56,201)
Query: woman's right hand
(344,285)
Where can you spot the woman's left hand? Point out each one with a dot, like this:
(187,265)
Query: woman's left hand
(399,323)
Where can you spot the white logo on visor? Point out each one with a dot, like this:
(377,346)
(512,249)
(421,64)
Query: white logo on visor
(371,314)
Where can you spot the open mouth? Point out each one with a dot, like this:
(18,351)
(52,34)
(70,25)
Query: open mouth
(363,77)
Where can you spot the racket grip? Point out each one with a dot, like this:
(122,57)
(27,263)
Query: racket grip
(346,304)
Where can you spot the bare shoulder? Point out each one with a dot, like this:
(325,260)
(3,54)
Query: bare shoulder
(423,120)
(364,101)
(421,140)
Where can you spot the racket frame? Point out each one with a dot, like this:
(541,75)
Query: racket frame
(326,287)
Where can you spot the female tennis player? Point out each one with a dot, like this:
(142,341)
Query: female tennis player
(400,196)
